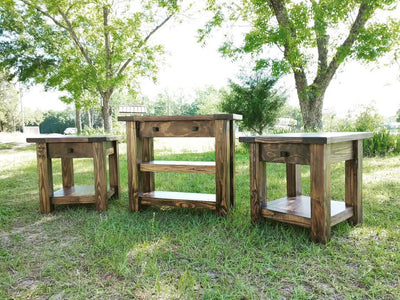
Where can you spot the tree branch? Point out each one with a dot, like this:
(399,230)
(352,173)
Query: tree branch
(343,50)
(107,43)
(127,62)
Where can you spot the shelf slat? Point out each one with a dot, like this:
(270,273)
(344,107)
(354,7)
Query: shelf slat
(178,199)
(78,194)
(203,167)
(297,210)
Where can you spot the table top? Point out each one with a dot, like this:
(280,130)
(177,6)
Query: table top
(308,138)
(181,118)
(73,139)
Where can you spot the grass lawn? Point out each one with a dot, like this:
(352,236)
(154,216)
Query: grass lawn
(169,253)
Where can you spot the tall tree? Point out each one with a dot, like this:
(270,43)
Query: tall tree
(9,105)
(256,99)
(314,39)
(79,46)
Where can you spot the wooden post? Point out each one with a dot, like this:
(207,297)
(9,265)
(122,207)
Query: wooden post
(258,184)
(113,161)
(45,176)
(233,162)
(67,169)
(100,175)
(222,167)
(320,193)
(133,153)
(353,174)
(293,180)
(147,155)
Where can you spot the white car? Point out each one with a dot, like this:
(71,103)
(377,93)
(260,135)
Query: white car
(70,131)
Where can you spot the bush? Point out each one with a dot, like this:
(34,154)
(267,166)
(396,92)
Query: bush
(382,143)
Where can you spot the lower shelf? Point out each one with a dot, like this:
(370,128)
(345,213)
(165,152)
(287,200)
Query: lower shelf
(178,199)
(78,194)
(297,210)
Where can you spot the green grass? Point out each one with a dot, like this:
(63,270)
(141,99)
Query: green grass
(169,253)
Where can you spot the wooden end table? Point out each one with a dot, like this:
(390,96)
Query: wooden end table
(319,150)
(142,166)
(68,148)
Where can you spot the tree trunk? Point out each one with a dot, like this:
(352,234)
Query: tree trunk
(78,121)
(106,112)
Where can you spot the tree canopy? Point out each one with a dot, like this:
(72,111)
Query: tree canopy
(312,38)
(83,47)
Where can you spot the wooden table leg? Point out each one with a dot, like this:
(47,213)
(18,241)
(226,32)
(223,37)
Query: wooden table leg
(133,153)
(293,180)
(147,155)
(232,160)
(113,161)
(45,176)
(100,176)
(67,170)
(320,193)
(354,182)
(222,167)
(258,184)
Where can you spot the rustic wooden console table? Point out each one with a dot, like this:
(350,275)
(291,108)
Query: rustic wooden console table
(141,164)
(68,148)
(318,150)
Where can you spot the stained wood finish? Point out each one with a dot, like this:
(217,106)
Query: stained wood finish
(147,156)
(68,148)
(177,129)
(320,150)
(232,169)
(222,167)
(353,174)
(258,184)
(113,166)
(67,171)
(293,180)
(320,193)
(133,154)
(45,177)
(177,199)
(341,152)
(308,138)
(201,167)
(141,164)
(180,118)
(297,210)
(286,153)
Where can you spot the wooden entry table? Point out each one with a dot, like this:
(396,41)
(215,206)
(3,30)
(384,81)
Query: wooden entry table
(319,150)
(142,166)
(68,148)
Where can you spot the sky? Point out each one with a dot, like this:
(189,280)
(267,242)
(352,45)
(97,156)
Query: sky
(189,65)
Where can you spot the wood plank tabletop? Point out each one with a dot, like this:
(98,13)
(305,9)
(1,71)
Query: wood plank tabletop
(73,139)
(181,118)
(308,138)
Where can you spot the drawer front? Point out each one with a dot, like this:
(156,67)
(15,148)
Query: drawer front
(286,153)
(177,129)
(70,150)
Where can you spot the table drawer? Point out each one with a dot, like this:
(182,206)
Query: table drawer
(177,129)
(70,150)
(286,153)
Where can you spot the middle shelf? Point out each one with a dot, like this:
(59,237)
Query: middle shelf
(203,167)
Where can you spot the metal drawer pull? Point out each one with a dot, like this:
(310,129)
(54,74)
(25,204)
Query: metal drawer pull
(156,129)
(195,128)
(284,154)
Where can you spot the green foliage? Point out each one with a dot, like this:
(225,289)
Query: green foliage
(382,143)
(85,48)
(57,122)
(255,99)
(398,115)
(308,38)
(10,117)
